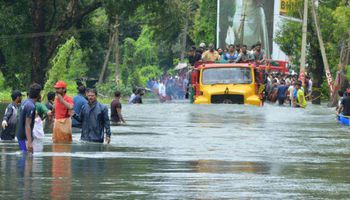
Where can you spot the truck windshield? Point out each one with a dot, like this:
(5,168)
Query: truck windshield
(234,75)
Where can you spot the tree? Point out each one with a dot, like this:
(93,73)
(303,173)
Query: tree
(204,29)
(289,39)
(67,65)
(37,31)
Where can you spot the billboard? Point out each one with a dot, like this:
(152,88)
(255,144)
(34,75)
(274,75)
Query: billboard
(246,22)
(286,5)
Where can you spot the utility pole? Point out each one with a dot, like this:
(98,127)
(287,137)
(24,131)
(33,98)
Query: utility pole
(241,27)
(303,44)
(323,51)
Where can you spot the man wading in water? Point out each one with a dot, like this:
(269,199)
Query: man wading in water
(62,128)
(10,117)
(26,119)
(94,119)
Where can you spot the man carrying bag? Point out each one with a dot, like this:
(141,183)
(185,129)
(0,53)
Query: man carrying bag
(62,128)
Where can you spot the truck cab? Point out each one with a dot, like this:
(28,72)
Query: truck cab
(216,83)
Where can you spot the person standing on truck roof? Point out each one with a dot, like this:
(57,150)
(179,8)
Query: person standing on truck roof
(244,56)
(210,55)
(259,55)
(194,56)
(232,55)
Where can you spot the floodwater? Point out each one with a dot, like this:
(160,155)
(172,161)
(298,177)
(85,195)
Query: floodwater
(183,151)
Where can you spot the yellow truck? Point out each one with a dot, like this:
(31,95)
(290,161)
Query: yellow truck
(215,83)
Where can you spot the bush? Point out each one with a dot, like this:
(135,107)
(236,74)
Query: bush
(149,72)
(67,66)
(108,89)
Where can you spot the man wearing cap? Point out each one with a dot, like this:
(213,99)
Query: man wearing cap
(62,128)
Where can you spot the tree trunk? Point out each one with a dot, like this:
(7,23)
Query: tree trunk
(184,40)
(341,82)
(105,63)
(317,76)
(117,51)
(303,44)
(69,19)
(38,48)
(323,51)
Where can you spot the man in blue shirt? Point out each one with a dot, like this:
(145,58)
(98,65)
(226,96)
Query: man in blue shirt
(232,55)
(282,93)
(79,102)
(95,120)
(26,119)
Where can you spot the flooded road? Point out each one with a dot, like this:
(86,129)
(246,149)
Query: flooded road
(183,151)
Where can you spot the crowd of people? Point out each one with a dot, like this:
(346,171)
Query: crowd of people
(231,54)
(169,87)
(25,119)
(287,89)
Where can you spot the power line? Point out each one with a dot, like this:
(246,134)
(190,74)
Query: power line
(44,34)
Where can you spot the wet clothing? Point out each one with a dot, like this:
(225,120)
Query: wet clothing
(301,98)
(41,110)
(132,97)
(281,94)
(345,102)
(49,106)
(27,110)
(61,111)
(10,117)
(95,122)
(79,100)
(62,127)
(62,130)
(137,99)
(114,114)
(22,145)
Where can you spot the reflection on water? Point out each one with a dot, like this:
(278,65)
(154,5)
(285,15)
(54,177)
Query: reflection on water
(61,172)
(182,151)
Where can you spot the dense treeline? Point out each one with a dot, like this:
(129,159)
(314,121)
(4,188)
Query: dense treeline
(334,21)
(125,40)
(128,41)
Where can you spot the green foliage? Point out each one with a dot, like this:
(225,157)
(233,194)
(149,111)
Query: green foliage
(67,65)
(149,72)
(108,89)
(2,82)
(204,29)
(347,72)
(128,60)
(5,96)
(145,49)
(136,55)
